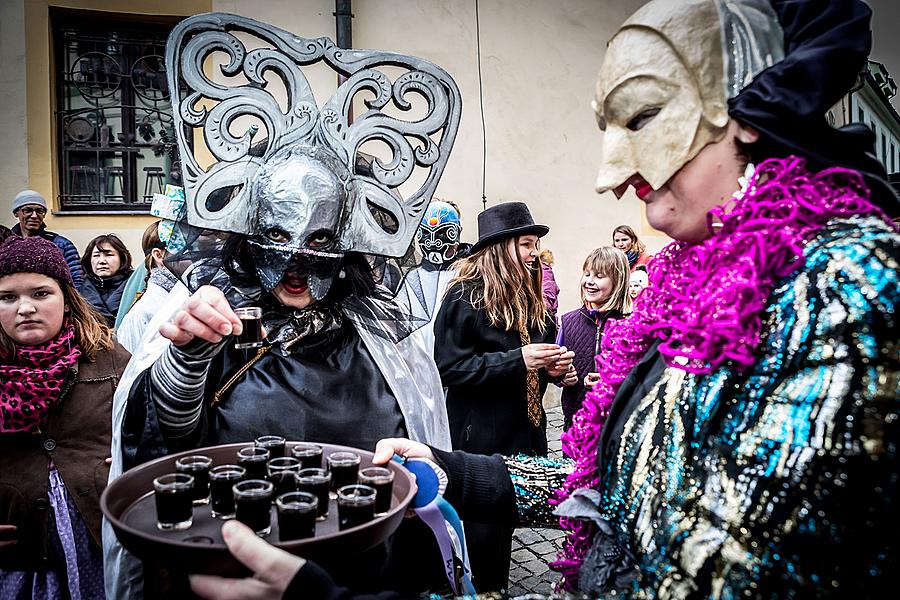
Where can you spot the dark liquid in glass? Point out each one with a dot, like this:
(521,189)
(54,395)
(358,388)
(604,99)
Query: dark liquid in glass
(254,511)
(284,482)
(296,524)
(318,488)
(252,335)
(222,496)
(342,475)
(383,491)
(173,506)
(351,515)
(309,459)
(275,448)
(255,465)
(201,479)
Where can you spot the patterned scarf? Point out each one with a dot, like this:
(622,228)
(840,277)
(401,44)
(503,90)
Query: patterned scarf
(31,383)
(705,302)
(532,384)
(632,257)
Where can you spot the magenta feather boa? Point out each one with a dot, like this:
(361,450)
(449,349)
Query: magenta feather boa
(705,302)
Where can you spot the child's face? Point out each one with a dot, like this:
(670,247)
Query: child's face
(596,288)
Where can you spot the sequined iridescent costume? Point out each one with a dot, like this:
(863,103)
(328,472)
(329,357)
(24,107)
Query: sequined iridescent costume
(776,482)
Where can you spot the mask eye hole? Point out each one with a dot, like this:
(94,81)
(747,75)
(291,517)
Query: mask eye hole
(601,123)
(319,238)
(279,236)
(642,118)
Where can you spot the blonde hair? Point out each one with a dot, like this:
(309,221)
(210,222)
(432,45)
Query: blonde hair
(611,262)
(508,292)
(636,244)
(92,334)
(546,256)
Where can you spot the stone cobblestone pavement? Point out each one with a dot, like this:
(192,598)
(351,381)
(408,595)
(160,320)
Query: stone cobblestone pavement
(532,547)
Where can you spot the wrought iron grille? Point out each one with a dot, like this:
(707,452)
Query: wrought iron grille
(114,116)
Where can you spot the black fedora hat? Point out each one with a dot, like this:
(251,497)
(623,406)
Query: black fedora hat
(506,220)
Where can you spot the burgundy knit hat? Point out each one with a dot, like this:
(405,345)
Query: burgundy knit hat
(33,254)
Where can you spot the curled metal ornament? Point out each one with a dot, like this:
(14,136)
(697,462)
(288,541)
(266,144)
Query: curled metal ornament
(211,103)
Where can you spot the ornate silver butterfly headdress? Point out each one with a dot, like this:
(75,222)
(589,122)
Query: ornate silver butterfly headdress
(374,217)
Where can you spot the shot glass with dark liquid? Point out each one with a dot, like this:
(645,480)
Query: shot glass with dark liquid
(273,443)
(309,455)
(356,505)
(253,504)
(254,459)
(252,334)
(317,482)
(198,466)
(282,473)
(344,467)
(381,480)
(221,481)
(172,492)
(296,515)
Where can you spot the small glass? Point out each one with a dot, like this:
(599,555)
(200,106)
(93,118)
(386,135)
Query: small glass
(356,505)
(317,482)
(296,515)
(344,467)
(309,455)
(253,504)
(198,466)
(273,443)
(381,480)
(252,334)
(172,493)
(281,473)
(254,459)
(221,481)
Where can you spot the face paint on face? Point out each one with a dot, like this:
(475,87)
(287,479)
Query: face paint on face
(300,201)
(438,234)
(660,94)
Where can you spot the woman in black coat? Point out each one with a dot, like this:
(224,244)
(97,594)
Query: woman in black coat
(494,348)
(107,267)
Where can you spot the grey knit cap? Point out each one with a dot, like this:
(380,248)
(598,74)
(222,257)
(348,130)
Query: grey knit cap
(26,197)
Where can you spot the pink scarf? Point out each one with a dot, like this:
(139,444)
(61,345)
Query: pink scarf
(705,302)
(31,383)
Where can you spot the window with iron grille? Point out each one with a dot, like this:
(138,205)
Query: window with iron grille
(116,144)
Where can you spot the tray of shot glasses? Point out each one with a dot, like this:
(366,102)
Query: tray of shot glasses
(313,500)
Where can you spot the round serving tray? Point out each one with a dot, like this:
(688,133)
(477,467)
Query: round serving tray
(129,505)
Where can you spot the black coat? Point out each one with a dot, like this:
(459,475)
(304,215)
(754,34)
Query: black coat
(105,294)
(483,369)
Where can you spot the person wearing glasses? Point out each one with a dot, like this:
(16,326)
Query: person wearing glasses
(31,208)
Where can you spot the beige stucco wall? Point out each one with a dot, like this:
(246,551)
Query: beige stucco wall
(14,162)
(539,60)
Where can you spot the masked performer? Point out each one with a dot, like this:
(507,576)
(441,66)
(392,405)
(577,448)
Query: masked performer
(291,225)
(743,437)
(423,288)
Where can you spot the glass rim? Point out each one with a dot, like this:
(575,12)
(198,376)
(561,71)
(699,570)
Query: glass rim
(309,500)
(307,446)
(344,457)
(383,473)
(220,469)
(319,472)
(193,458)
(253,451)
(270,438)
(174,481)
(251,311)
(368,496)
(255,487)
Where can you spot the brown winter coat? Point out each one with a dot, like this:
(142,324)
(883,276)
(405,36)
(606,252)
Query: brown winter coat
(76,438)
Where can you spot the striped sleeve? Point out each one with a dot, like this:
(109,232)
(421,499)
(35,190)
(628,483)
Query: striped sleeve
(176,385)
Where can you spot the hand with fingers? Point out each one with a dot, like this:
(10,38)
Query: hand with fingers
(571,377)
(560,366)
(206,315)
(539,356)
(591,380)
(273,568)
